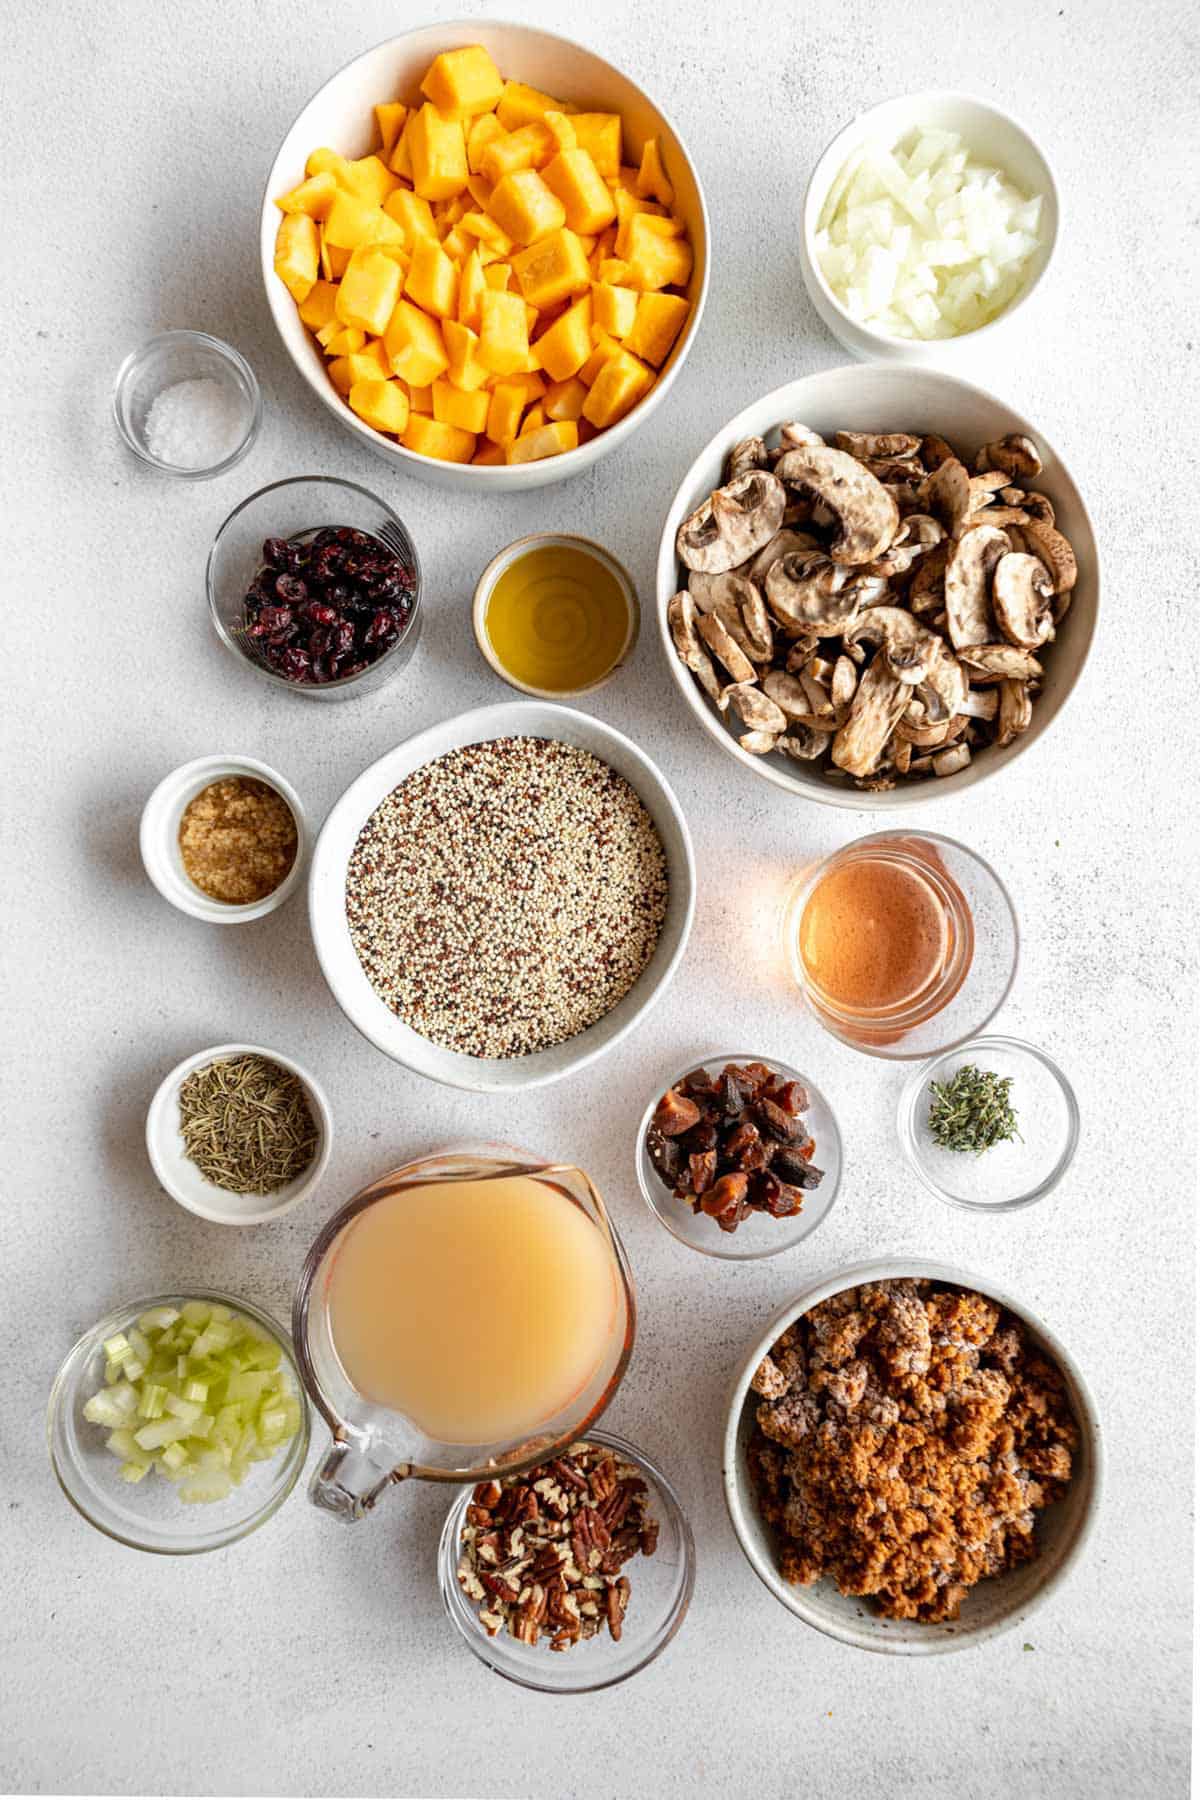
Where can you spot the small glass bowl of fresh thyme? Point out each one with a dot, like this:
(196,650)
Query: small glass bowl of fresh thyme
(990,1126)
(238,1134)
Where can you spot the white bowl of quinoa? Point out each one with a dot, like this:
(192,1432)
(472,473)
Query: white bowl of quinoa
(501,899)
(912,1461)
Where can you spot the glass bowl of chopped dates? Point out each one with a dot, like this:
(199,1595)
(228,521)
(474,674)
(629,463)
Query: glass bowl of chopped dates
(739,1156)
(573,1575)
(315,585)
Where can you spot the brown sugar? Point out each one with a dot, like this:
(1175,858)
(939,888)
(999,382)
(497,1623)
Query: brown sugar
(238,840)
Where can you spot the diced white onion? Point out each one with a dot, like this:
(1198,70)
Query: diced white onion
(918,240)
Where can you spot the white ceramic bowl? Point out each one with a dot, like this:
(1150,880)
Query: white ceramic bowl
(504,559)
(159,838)
(183,1180)
(994,138)
(327,896)
(995,1605)
(340,115)
(885,397)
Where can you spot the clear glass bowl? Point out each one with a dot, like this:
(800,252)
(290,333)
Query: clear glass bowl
(759,1235)
(1012,1174)
(303,503)
(660,1594)
(978,968)
(162,362)
(150,1515)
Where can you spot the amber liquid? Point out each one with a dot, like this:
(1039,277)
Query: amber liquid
(477,1309)
(877,935)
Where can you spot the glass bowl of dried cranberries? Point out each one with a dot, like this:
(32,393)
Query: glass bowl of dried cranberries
(315,585)
(739,1156)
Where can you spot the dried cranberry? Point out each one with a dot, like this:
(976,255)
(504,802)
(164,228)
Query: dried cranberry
(275,552)
(316,614)
(291,590)
(294,663)
(382,627)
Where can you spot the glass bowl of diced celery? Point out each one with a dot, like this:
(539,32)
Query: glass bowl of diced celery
(179,1423)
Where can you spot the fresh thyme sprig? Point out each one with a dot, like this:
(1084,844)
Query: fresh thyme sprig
(972,1112)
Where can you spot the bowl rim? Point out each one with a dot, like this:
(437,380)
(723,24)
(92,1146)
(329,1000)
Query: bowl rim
(716,1249)
(512,553)
(567,462)
(344,682)
(228,353)
(498,716)
(911,1092)
(738,1499)
(296,1457)
(851,799)
(167,1090)
(478,1642)
(154,852)
(814,198)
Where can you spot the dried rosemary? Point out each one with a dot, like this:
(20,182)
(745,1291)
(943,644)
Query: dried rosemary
(971,1112)
(246,1125)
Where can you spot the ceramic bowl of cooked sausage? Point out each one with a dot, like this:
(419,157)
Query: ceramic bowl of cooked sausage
(877,586)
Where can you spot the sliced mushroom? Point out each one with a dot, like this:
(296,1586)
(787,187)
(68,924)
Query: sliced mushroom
(1021,595)
(866,514)
(968,582)
(935,451)
(999,662)
(747,453)
(928,584)
(754,708)
(874,712)
(803,745)
(844,682)
(879,445)
(807,592)
(758,743)
(1037,506)
(944,689)
(910,650)
(724,647)
(734,522)
(982,488)
(1016,454)
(792,434)
(798,656)
(788,693)
(739,606)
(782,544)
(924,736)
(951,761)
(1050,544)
(681,617)
(946,493)
(819,703)
(980,703)
(901,755)
(1015,712)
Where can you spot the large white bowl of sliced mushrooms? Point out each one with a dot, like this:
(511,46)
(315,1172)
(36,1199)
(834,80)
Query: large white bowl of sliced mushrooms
(877,585)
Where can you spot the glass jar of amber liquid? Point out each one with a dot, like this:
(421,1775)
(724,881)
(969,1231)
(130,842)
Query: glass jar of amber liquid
(902,943)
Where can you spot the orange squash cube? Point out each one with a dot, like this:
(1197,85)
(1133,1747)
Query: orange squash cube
(432,280)
(547,440)
(438,152)
(523,206)
(605,347)
(352,221)
(370,178)
(370,363)
(528,148)
(297,254)
(564,400)
(565,346)
(400,161)
(420,399)
(414,345)
(369,290)
(452,407)
(503,333)
(561,130)
(552,270)
(319,306)
(620,384)
(340,375)
(383,404)
(313,196)
(652,176)
(521,105)
(480,133)
(532,384)
(534,419)
(614,309)
(471,288)
(341,340)
(573,176)
(658,322)
(461,83)
(656,261)
(412,214)
(600,135)
(489,456)
(478,225)
(430,437)
(462,348)
(496,275)
(504,411)
(390,116)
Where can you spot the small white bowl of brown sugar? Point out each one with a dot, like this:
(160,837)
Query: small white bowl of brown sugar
(225,839)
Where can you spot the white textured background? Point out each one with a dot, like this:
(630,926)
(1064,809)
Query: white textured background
(312,1659)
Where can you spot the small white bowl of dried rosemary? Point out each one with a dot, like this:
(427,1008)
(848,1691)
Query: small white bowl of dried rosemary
(239,1135)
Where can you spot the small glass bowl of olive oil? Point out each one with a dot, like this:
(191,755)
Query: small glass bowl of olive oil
(555,615)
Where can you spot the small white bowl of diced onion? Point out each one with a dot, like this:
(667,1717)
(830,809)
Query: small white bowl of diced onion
(179,1422)
(928,223)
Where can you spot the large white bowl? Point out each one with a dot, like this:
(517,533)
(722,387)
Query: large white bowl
(891,398)
(994,1605)
(327,896)
(994,138)
(340,115)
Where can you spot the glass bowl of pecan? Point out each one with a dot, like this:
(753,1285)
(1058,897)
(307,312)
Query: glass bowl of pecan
(739,1156)
(573,1575)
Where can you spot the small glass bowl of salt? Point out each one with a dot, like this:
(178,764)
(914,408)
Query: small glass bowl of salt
(187,404)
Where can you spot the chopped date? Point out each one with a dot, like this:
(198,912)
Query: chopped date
(735,1143)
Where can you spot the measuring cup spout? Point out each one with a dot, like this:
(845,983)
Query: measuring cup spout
(348,1484)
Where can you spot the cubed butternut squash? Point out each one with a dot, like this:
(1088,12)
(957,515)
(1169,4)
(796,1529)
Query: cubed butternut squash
(604,347)
(600,135)
(352,221)
(414,345)
(314,196)
(652,176)
(656,261)
(573,176)
(497,275)
(564,400)
(400,161)
(614,308)
(370,363)
(503,333)
(368,291)
(462,348)
(505,407)
(420,399)
(523,206)
(481,132)
(389,117)
(552,270)
(461,83)
(297,254)
(522,105)
(342,340)
(432,280)
(532,384)
(527,148)
(451,406)
(340,374)
(430,437)
(565,346)
(548,440)
(561,130)
(412,214)
(613,270)
(489,456)
(371,178)
(658,321)
(383,404)
(438,152)
(620,384)
(534,419)
(319,307)
(479,225)
(471,288)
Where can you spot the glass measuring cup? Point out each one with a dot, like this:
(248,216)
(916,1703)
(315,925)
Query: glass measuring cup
(374,1446)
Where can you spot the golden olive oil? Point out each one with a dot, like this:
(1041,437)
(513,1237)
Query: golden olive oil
(557,618)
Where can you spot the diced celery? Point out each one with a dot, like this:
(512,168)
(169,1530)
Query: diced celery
(248,1385)
(112,1371)
(201,1427)
(196,1312)
(181,1368)
(187,1410)
(175,1457)
(152,1402)
(133,1368)
(195,1390)
(162,1431)
(117,1348)
(219,1311)
(141,1344)
(217,1336)
(205,1486)
(158,1318)
(102,1409)
(134,1471)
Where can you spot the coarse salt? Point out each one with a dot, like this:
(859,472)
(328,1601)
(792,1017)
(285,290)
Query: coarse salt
(195,424)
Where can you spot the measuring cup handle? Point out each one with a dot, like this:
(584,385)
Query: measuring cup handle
(347,1484)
